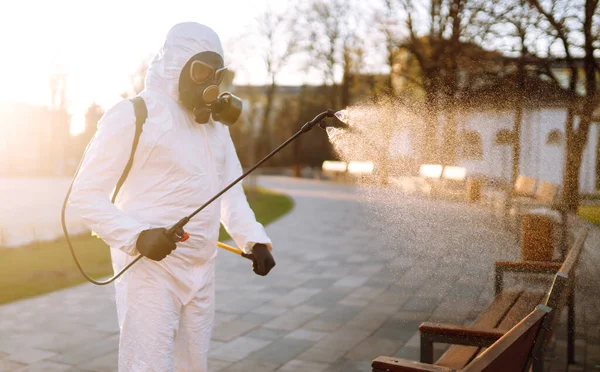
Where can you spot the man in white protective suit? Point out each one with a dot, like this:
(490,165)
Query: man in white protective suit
(165,302)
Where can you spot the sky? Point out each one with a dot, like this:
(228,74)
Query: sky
(99,43)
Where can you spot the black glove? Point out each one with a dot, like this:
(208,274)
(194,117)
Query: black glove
(263,261)
(155,244)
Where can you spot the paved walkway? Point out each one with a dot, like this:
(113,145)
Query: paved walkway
(357,271)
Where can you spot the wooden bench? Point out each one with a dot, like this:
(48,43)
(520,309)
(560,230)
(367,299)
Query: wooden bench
(524,187)
(514,350)
(508,307)
(546,196)
(567,269)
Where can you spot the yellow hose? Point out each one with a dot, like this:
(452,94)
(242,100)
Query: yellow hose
(229,248)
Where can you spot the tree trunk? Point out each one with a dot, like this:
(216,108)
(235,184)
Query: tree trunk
(429,134)
(450,145)
(574,155)
(333,96)
(598,160)
(264,140)
(346,84)
(516,145)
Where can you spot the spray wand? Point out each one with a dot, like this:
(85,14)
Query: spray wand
(176,232)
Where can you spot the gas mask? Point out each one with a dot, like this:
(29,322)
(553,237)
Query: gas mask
(199,90)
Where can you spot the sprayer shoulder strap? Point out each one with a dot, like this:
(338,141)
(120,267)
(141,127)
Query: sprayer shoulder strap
(141,114)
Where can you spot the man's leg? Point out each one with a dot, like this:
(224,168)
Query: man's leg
(148,315)
(192,341)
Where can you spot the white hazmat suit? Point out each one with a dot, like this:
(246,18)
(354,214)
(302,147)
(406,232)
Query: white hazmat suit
(165,308)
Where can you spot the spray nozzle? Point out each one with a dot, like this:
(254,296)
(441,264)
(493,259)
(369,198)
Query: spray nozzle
(339,121)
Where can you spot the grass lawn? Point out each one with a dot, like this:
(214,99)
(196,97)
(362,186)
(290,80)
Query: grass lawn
(47,266)
(590,213)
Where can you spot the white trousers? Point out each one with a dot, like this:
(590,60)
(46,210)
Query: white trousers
(165,325)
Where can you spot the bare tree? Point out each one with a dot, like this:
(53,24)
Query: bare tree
(333,45)
(277,41)
(449,33)
(518,24)
(573,30)
(388,23)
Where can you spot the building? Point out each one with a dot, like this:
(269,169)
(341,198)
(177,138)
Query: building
(485,128)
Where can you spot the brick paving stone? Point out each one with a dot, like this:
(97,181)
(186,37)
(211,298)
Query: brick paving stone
(215,365)
(306,334)
(350,366)
(238,349)
(266,333)
(251,366)
(44,367)
(271,310)
(281,351)
(296,365)
(353,301)
(222,317)
(241,305)
(257,318)
(343,339)
(408,352)
(320,325)
(290,320)
(321,283)
(325,299)
(311,309)
(351,281)
(321,355)
(421,304)
(411,316)
(9,365)
(372,347)
(399,330)
(61,343)
(230,330)
(106,362)
(415,340)
(88,351)
(367,320)
(295,297)
(339,313)
(27,355)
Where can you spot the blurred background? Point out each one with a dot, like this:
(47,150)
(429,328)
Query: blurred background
(498,88)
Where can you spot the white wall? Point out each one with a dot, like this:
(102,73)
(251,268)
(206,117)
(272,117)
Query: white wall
(538,159)
(497,160)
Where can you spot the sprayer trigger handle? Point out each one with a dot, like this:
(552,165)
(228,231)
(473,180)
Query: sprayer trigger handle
(179,235)
(249,256)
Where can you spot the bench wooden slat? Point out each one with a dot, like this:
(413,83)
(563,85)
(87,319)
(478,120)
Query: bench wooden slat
(512,352)
(520,309)
(458,356)
(494,314)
